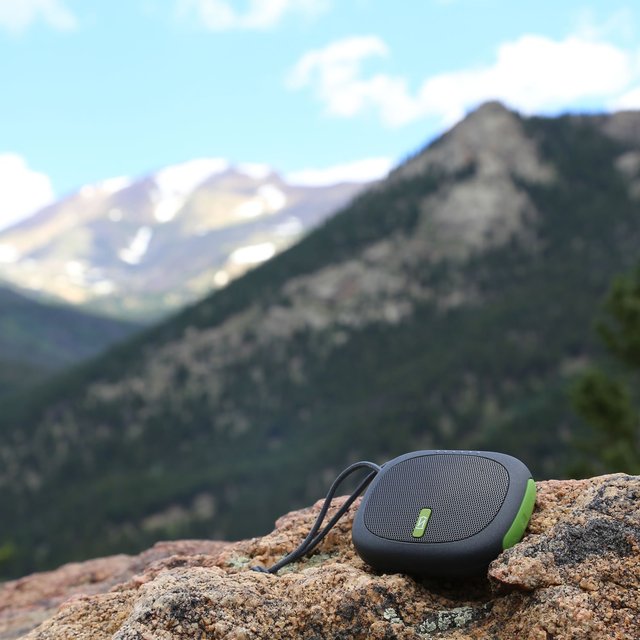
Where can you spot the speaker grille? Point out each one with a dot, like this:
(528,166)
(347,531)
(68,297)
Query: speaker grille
(464,492)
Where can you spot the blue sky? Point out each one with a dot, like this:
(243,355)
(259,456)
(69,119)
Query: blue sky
(92,90)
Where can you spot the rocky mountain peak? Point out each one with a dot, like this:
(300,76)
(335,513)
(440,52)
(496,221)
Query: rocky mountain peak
(479,205)
(623,126)
(492,139)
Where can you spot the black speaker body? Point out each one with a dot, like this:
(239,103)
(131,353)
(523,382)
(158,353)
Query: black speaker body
(443,513)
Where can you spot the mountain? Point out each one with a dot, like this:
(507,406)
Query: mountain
(141,248)
(37,339)
(449,306)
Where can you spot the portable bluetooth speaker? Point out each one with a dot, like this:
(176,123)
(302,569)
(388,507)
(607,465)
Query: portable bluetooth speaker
(443,513)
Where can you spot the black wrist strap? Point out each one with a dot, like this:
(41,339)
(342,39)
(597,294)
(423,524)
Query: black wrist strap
(314,538)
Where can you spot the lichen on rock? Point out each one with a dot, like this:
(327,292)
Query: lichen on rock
(575,575)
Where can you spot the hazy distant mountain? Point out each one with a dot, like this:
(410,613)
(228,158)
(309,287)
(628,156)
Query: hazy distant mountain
(447,307)
(37,339)
(147,246)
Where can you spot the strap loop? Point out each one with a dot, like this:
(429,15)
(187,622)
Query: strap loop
(314,538)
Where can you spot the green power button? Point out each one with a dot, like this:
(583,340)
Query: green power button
(421,523)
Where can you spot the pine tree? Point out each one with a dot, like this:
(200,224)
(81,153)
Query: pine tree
(607,399)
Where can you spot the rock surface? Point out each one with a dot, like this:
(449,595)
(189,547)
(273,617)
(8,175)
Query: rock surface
(576,574)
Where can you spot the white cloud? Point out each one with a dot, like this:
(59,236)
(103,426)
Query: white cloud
(18,15)
(619,25)
(335,73)
(221,15)
(22,190)
(359,171)
(627,101)
(532,74)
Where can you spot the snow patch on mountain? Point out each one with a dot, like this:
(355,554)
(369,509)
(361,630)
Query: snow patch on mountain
(134,253)
(76,271)
(268,199)
(255,170)
(103,287)
(113,185)
(253,254)
(8,254)
(167,206)
(292,226)
(221,278)
(105,188)
(184,178)
(250,209)
(174,184)
(273,197)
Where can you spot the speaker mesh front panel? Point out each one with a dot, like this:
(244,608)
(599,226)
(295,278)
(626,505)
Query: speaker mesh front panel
(464,492)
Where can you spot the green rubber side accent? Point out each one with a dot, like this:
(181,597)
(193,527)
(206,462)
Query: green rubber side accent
(520,522)
(421,523)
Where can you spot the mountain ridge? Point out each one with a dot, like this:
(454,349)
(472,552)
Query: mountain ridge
(147,246)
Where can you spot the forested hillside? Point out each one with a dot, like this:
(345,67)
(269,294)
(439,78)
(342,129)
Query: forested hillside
(449,306)
(37,339)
